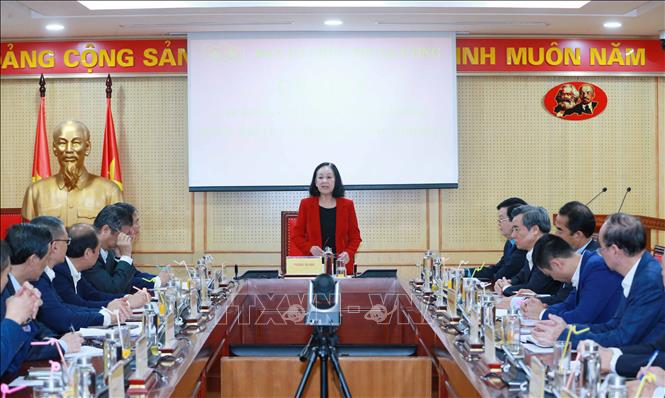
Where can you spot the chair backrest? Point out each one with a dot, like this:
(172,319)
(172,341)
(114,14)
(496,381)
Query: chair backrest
(288,223)
(659,253)
(9,217)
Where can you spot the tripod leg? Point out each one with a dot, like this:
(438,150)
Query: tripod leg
(338,370)
(308,371)
(324,373)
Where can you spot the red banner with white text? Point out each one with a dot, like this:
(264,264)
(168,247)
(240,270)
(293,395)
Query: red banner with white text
(474,56)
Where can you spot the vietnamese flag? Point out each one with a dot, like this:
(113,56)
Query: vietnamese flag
(110,158)
(41,164)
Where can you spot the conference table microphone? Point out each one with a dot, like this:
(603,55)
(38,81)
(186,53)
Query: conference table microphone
(624,199)
(597,195)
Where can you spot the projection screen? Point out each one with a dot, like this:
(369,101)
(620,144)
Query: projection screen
(266,107)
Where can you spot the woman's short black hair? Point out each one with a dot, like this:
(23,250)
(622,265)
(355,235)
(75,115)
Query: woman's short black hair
(338,190)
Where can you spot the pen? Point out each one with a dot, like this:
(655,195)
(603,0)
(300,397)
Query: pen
(648,367)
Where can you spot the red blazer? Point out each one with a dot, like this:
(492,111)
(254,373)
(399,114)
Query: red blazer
(307,231)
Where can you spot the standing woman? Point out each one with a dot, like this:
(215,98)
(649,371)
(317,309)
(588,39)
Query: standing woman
(327,219)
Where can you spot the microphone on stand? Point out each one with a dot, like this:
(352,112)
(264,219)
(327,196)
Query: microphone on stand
(624,199)
(597,195)
(235,269)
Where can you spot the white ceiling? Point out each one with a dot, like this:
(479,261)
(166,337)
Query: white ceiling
(27,19)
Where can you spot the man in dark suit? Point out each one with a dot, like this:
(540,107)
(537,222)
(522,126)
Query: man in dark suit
(141,279)
(113,225)
(30,246)
(628,360)
(55,313)
(575,224)
(16,311)
(530,223)
(640,317)
(513,258)
(117,275)
(586,105)
(82,254)
(597,290)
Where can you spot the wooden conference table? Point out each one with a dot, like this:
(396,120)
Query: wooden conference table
(260,315)
(266,313)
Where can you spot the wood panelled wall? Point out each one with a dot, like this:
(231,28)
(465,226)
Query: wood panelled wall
(509,146)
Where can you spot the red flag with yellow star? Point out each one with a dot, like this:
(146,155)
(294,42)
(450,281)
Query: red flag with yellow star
(110,158)
(41,163)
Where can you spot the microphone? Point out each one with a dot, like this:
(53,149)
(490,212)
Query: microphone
(597,195)
(235,269)
(624,199)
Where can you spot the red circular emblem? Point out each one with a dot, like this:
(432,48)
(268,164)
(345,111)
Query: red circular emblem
(575,100)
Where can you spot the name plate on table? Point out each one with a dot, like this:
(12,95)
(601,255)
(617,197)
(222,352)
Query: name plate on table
(117,380)
(537,381)
(141,355)
(169,337)
(306,265)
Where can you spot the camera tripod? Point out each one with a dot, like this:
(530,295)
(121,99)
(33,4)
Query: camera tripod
(322,345)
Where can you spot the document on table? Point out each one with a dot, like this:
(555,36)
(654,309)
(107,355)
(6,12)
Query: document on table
(22,381)
(538,350)
(86,351)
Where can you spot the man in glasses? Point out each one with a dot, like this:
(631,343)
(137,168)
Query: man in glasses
(30,246)
(512,260)
(530,223)
(55,313)
(640,317)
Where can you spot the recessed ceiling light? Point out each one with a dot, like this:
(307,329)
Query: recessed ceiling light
(333,22)
(612,25)
(54,27)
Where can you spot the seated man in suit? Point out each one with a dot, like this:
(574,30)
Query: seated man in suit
(114,226)
(30,246)
(529,224)
(82,254)
(597,290)
(513,258)
(20,308)
(640,317)
(575,224)
(141,279)
(56,314)
(627,360)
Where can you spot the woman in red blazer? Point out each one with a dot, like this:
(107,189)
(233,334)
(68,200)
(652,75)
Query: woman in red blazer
(327,219)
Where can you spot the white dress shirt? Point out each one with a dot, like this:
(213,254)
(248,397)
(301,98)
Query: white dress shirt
(76,275)
(627,281)
(50,273)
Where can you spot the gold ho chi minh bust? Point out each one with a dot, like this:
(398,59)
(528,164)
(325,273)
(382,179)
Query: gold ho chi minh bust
(73,195)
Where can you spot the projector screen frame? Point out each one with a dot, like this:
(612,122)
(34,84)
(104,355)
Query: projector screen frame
(351,187)
(276,188)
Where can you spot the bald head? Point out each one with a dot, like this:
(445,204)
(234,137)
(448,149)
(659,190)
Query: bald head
(83,237)
(73,125)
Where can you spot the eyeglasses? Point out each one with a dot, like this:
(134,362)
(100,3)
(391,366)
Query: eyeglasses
(68,240)
(502,220)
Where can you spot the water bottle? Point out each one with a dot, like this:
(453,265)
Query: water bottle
(591,369)
(329,260)
(87,378)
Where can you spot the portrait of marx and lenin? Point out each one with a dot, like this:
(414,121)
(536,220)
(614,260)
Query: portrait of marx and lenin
(575,100)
